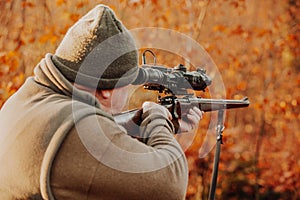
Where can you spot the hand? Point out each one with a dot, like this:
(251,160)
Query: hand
(193,117)
(151,105)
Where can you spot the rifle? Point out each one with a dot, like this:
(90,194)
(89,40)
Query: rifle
(179,107)
(175,83)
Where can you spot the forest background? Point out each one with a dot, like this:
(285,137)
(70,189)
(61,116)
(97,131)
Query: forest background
(253,43)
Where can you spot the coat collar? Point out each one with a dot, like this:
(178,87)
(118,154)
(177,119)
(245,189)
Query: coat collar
(48,75)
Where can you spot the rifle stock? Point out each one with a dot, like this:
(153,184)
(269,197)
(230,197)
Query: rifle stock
(133,117)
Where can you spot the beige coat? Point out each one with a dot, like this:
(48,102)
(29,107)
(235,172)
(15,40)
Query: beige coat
(55,141)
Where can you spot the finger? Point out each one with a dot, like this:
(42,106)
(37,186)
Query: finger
(198,111)
(195,114)
(194,119)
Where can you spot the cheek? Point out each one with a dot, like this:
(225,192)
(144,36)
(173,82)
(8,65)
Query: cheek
(119,99)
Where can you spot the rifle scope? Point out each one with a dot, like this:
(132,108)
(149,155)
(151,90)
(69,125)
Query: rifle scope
(172,80)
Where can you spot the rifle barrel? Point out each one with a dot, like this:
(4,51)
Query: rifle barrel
(208,105)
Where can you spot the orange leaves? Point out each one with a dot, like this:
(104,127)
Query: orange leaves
(9,88)
(155,2)
(263,32)
(282,104)
(242,85)
(219,28)
(9,68)
(18,80)
(80,5)
(6,91)
(74,17)
(49,36)
(294,102)
(77,5)
(60,2)
(27,4)
(238,30)
(234,4)
(9,62)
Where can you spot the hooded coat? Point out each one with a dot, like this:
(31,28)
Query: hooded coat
(57,143)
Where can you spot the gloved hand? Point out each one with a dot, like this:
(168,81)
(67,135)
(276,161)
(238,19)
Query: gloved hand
(191,121)
(188,123)
(148,105)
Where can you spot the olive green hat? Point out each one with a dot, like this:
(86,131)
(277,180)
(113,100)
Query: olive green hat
(98,51)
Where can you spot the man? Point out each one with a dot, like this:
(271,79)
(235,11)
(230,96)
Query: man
(59,140)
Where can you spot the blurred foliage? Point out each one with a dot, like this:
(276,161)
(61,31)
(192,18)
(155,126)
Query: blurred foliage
(255,45)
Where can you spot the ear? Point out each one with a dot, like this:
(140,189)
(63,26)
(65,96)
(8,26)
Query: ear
(106,94)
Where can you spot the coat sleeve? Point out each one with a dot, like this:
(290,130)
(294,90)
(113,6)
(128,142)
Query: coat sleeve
(98,160)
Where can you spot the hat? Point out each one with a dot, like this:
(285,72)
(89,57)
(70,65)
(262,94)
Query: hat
(98,51)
